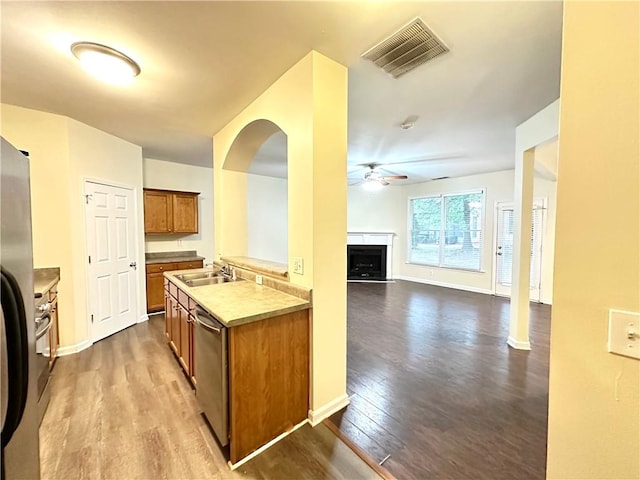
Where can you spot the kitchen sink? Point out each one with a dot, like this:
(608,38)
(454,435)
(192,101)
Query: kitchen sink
(198,276)
(199,282)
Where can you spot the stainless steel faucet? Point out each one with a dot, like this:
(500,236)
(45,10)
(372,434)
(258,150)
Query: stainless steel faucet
(228,272)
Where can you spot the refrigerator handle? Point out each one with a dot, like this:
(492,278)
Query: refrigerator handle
(17,354)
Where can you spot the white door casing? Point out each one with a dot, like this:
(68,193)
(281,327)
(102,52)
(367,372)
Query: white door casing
(504,249)
(110,227)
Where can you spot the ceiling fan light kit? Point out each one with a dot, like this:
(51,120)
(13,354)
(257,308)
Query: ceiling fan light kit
(372,185)
(373,180)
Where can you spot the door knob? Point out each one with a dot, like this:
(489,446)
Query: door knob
(133,265)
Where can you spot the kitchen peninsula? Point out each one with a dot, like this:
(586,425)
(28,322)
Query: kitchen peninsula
(245,347)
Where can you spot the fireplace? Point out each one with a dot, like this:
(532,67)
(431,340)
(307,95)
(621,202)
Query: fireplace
(366,262)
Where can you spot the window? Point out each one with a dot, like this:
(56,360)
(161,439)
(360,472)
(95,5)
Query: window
(446,230)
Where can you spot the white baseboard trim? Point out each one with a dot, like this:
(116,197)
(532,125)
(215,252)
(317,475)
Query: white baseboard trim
(71,349)
(257,452)
(143,318)
(517,344)
(435,283)
(319,414)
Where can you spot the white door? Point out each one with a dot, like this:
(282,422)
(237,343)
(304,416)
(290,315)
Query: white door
(110,218)
(504,249)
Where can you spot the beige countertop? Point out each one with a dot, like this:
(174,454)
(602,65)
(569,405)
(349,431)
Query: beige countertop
(44,279)
(236,303)
(172,257)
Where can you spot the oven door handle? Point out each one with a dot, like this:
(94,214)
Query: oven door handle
(42,327)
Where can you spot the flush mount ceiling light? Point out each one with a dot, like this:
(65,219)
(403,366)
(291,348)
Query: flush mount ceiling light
(105,63)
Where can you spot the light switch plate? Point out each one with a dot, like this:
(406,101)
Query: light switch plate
(624,333)
(298,265)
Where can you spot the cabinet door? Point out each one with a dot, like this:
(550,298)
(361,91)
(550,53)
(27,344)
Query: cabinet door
(185,350)
(54,340)
(155,292)
(167,313)
(158,212)
(175,326)
(192,361)
(185,213)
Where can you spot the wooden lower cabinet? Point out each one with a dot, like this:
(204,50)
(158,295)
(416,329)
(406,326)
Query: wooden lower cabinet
(268,368)
(268,380)
(172,324)
(54,337)
(155,281)
(179,327)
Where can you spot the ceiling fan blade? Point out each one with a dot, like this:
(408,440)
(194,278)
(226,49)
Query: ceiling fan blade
(394,177)
(352,184)
(384,182)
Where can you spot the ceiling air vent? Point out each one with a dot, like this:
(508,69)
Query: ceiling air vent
(406,49)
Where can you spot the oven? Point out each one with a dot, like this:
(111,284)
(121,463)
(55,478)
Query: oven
(44,322)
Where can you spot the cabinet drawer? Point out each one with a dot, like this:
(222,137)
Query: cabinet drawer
(189,265)
(173,290)
(183,299)
(161,267)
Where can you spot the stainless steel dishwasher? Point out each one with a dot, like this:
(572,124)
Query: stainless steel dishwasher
(211,366)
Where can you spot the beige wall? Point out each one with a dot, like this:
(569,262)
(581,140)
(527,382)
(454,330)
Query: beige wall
(378,211)
(267,225)
(177,176)
(387,210)
(64,153)
(96,155)
(594,396)
(46,137)
(309,103)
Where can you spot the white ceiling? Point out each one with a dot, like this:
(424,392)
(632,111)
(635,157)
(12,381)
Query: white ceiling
(203,62)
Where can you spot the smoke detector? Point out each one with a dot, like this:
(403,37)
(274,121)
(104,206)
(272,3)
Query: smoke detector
(408,48)
(410,122)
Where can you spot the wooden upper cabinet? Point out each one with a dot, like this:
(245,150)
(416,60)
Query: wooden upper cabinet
(158,211)
(185,213)
(167,211)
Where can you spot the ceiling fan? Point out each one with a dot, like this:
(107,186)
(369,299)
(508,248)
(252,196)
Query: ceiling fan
(373,179)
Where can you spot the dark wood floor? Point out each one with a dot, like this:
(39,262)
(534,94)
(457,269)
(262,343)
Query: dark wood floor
(124,410)
(433,384)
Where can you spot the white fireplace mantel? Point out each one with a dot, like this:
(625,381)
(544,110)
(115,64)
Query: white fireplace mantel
(374,238)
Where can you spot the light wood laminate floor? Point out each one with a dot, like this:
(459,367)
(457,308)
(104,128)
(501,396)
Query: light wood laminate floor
(123,410)
(433,384)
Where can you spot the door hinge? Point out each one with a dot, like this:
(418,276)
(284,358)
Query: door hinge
(89,259)
(87,198)
(92,318)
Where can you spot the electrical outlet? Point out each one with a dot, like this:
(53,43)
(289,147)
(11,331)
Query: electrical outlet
(179,243)
(624,333)
(298,265)
(259,279)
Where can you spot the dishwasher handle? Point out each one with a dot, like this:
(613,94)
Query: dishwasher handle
(201,319)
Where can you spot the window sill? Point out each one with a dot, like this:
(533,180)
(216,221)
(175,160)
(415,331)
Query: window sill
(457,269)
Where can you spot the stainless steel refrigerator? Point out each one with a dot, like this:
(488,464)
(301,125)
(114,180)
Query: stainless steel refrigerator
(20,445)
